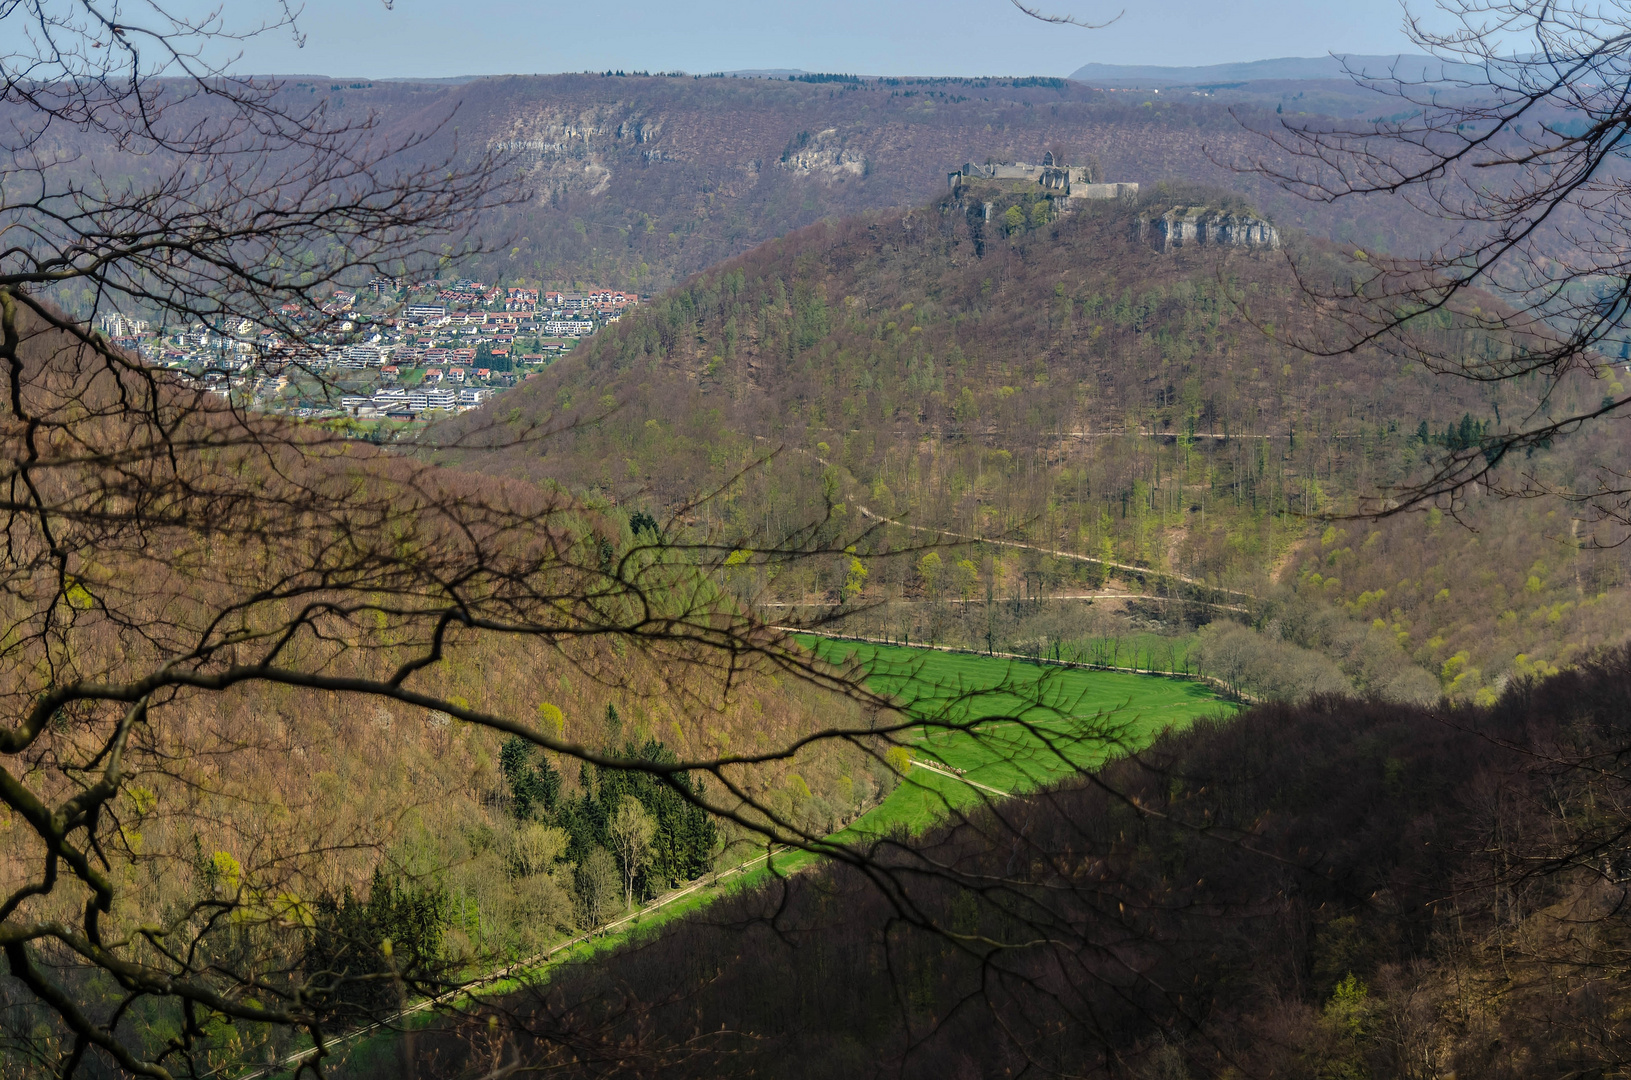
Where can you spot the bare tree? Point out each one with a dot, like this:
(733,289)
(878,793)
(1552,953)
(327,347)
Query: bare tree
(165,545)
(1512,137)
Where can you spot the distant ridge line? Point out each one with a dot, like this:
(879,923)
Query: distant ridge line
(1287,67)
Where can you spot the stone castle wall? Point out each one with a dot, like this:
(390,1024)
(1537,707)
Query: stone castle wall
(1070,181)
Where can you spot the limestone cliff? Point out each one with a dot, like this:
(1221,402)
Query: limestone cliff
(823,155)
(1189,226)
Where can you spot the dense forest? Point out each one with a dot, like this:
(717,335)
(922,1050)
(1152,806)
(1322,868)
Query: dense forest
(938,627)
(1103,411)
(1332,889)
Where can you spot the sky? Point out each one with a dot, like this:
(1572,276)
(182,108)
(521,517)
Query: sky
(445,38)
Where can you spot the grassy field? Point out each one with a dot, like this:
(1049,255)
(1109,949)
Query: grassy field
(1011,726)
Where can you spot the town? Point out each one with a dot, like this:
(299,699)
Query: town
(378,357)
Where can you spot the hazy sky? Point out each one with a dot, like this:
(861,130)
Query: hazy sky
(436,38)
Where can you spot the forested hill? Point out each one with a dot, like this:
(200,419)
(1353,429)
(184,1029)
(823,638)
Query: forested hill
(1056,382)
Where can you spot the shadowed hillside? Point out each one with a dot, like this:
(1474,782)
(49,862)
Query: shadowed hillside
(1342,889)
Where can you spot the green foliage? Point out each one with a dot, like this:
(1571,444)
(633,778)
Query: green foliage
(362,953)
(643,525)
(854,579)
(534,783)
(1455,437)
(929,570)
(682,846)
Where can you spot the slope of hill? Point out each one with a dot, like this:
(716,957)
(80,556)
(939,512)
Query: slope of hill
(1059,384)
(263,822)
(1347,889)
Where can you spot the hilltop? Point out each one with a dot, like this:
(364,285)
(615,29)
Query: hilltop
(1335,67)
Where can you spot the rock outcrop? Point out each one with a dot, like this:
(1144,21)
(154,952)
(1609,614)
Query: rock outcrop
(823,155)
(1189,226)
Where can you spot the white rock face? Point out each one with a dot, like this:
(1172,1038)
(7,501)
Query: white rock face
(1189,226)
(825,156)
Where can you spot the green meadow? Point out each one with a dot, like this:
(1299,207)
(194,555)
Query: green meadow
(1011,726)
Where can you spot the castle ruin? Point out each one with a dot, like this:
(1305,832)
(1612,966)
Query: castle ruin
(1062,181)
(1179,227)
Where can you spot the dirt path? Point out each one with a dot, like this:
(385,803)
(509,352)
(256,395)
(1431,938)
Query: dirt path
(1059,554)
(938,771)
(1056,552)
(1102,594)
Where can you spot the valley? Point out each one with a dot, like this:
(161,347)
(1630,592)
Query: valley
(1048,725)
(799,574)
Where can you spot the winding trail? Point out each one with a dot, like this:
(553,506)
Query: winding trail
(1061,554)
(867,512)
